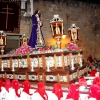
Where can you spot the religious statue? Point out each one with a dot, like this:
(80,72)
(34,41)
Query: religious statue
(24,40)
(1,41)
(36,38)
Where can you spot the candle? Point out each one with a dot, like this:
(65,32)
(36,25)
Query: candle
(56,29)
(2,67)
(32,69)
(62,28)
(52,29)
(13,67)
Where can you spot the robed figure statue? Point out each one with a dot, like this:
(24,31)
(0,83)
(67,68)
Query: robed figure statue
(36,38)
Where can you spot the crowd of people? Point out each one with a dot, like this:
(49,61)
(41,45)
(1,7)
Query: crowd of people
(12,90)
(94,63)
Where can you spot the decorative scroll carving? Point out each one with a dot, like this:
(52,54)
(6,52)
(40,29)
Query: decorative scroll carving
(33,77)
(10,76)
(15,62)
(49,61)
(59,61)
(23,63)
(63,79)
(21,77)
(51,78)
(4,62)
(34,62)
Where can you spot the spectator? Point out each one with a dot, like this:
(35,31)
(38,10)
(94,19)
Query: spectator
(89,59)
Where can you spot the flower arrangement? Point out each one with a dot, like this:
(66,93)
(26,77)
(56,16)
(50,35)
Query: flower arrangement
(73,47)
(23,50)
(28,50)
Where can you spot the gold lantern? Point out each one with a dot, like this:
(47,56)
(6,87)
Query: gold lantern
(74,30)
(2,41)
(57,29)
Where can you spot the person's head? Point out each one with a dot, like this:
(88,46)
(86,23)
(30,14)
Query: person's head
(90,56)
(37,11)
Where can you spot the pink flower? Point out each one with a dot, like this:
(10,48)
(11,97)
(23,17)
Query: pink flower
(71,46)
(23,50)
(77,48)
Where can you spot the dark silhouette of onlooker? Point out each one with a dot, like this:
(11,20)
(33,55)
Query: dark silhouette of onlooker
(90,59)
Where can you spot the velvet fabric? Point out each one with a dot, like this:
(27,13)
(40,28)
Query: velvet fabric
(96,81)
(73,92)
(7,84)
(94,92)
(57,90)
(33,36)
(36,33)
(1,84)
(41,91)
(15,86)
(26,87)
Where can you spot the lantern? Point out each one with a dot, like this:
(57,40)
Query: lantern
(57,29)
(2,41)
(73,30)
